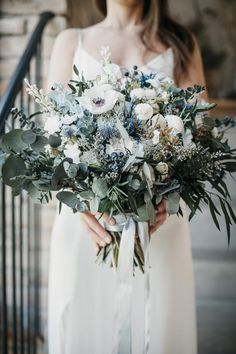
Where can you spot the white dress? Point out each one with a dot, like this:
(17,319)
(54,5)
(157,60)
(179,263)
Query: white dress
(82,293)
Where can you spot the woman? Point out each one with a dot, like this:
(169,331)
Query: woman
(81,293)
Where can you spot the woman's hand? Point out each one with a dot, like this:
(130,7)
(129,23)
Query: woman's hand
(95,230)
(161,216)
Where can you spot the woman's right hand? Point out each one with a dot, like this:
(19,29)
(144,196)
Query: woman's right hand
(95,230)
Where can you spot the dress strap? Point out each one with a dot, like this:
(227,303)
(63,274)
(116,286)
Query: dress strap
(80,38)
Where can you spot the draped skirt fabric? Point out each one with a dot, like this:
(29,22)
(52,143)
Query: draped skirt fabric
(82,293)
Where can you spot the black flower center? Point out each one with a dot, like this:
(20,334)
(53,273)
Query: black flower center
(98,101)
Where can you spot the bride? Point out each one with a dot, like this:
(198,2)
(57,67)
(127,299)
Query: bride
(81,293)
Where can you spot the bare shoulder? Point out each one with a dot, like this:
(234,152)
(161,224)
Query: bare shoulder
(67,39)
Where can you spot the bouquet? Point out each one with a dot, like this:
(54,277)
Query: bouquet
(120,144)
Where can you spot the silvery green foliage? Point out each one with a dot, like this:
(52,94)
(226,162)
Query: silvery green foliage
(120,144)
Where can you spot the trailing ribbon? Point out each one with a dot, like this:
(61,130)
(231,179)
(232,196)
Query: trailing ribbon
(143,234)
(124,271)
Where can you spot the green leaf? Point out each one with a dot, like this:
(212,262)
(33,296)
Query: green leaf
(132,202)
(76,71)
(81,207)
(28,137)
(100,188)
(94,204)
(14,166)
(59,175)
(68,198)
(54,141)
(213,213)
(143,213)
(158,199)
(82,171)
(39,144)
(12,141)
(233,216)
(172,203)
(88,195)
(227,219)
(34,193)
(135,184)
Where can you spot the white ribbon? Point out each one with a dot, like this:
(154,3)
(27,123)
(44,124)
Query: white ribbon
(123,310)
(143,234)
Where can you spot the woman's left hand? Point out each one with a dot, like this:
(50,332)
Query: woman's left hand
(161,216)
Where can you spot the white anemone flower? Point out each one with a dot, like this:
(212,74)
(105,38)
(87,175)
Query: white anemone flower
(175,123)
(72,151)
(99,99)
(144,111)
(52,124)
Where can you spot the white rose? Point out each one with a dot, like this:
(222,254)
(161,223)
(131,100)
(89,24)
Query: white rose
(99,99)
(159,121)
(144,111)
(52,124)
(175,123)
(72,151)
(137,93)
(149,93)
(156,136)
(113,71)
(162,168)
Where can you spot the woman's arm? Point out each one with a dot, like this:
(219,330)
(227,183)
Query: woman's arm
(195,74)
(60,67)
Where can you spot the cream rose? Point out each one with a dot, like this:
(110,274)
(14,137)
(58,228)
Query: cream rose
(144,111)
(175,123)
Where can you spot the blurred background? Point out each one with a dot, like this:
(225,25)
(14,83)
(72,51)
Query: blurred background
(26,229)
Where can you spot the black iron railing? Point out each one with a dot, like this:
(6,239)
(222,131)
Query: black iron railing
(20,223)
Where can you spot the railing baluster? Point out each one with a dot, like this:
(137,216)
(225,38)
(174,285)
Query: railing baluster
(21,255)
(4,275)
(14,305)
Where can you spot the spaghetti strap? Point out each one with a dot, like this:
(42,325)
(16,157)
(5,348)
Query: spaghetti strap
(80,38)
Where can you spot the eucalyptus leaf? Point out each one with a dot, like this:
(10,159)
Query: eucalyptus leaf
(39,144)
(100,188)
(14,166)
(54,140)
(88,195)
(172,203)
(28,137)
(68,198)
(94,204)
(12,141)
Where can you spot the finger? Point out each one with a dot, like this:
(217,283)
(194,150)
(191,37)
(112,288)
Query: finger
(107,218)
(154,228)
(93,225)
(161,207)
(161,217)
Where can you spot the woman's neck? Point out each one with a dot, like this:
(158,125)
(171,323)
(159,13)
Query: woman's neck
(124,16)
